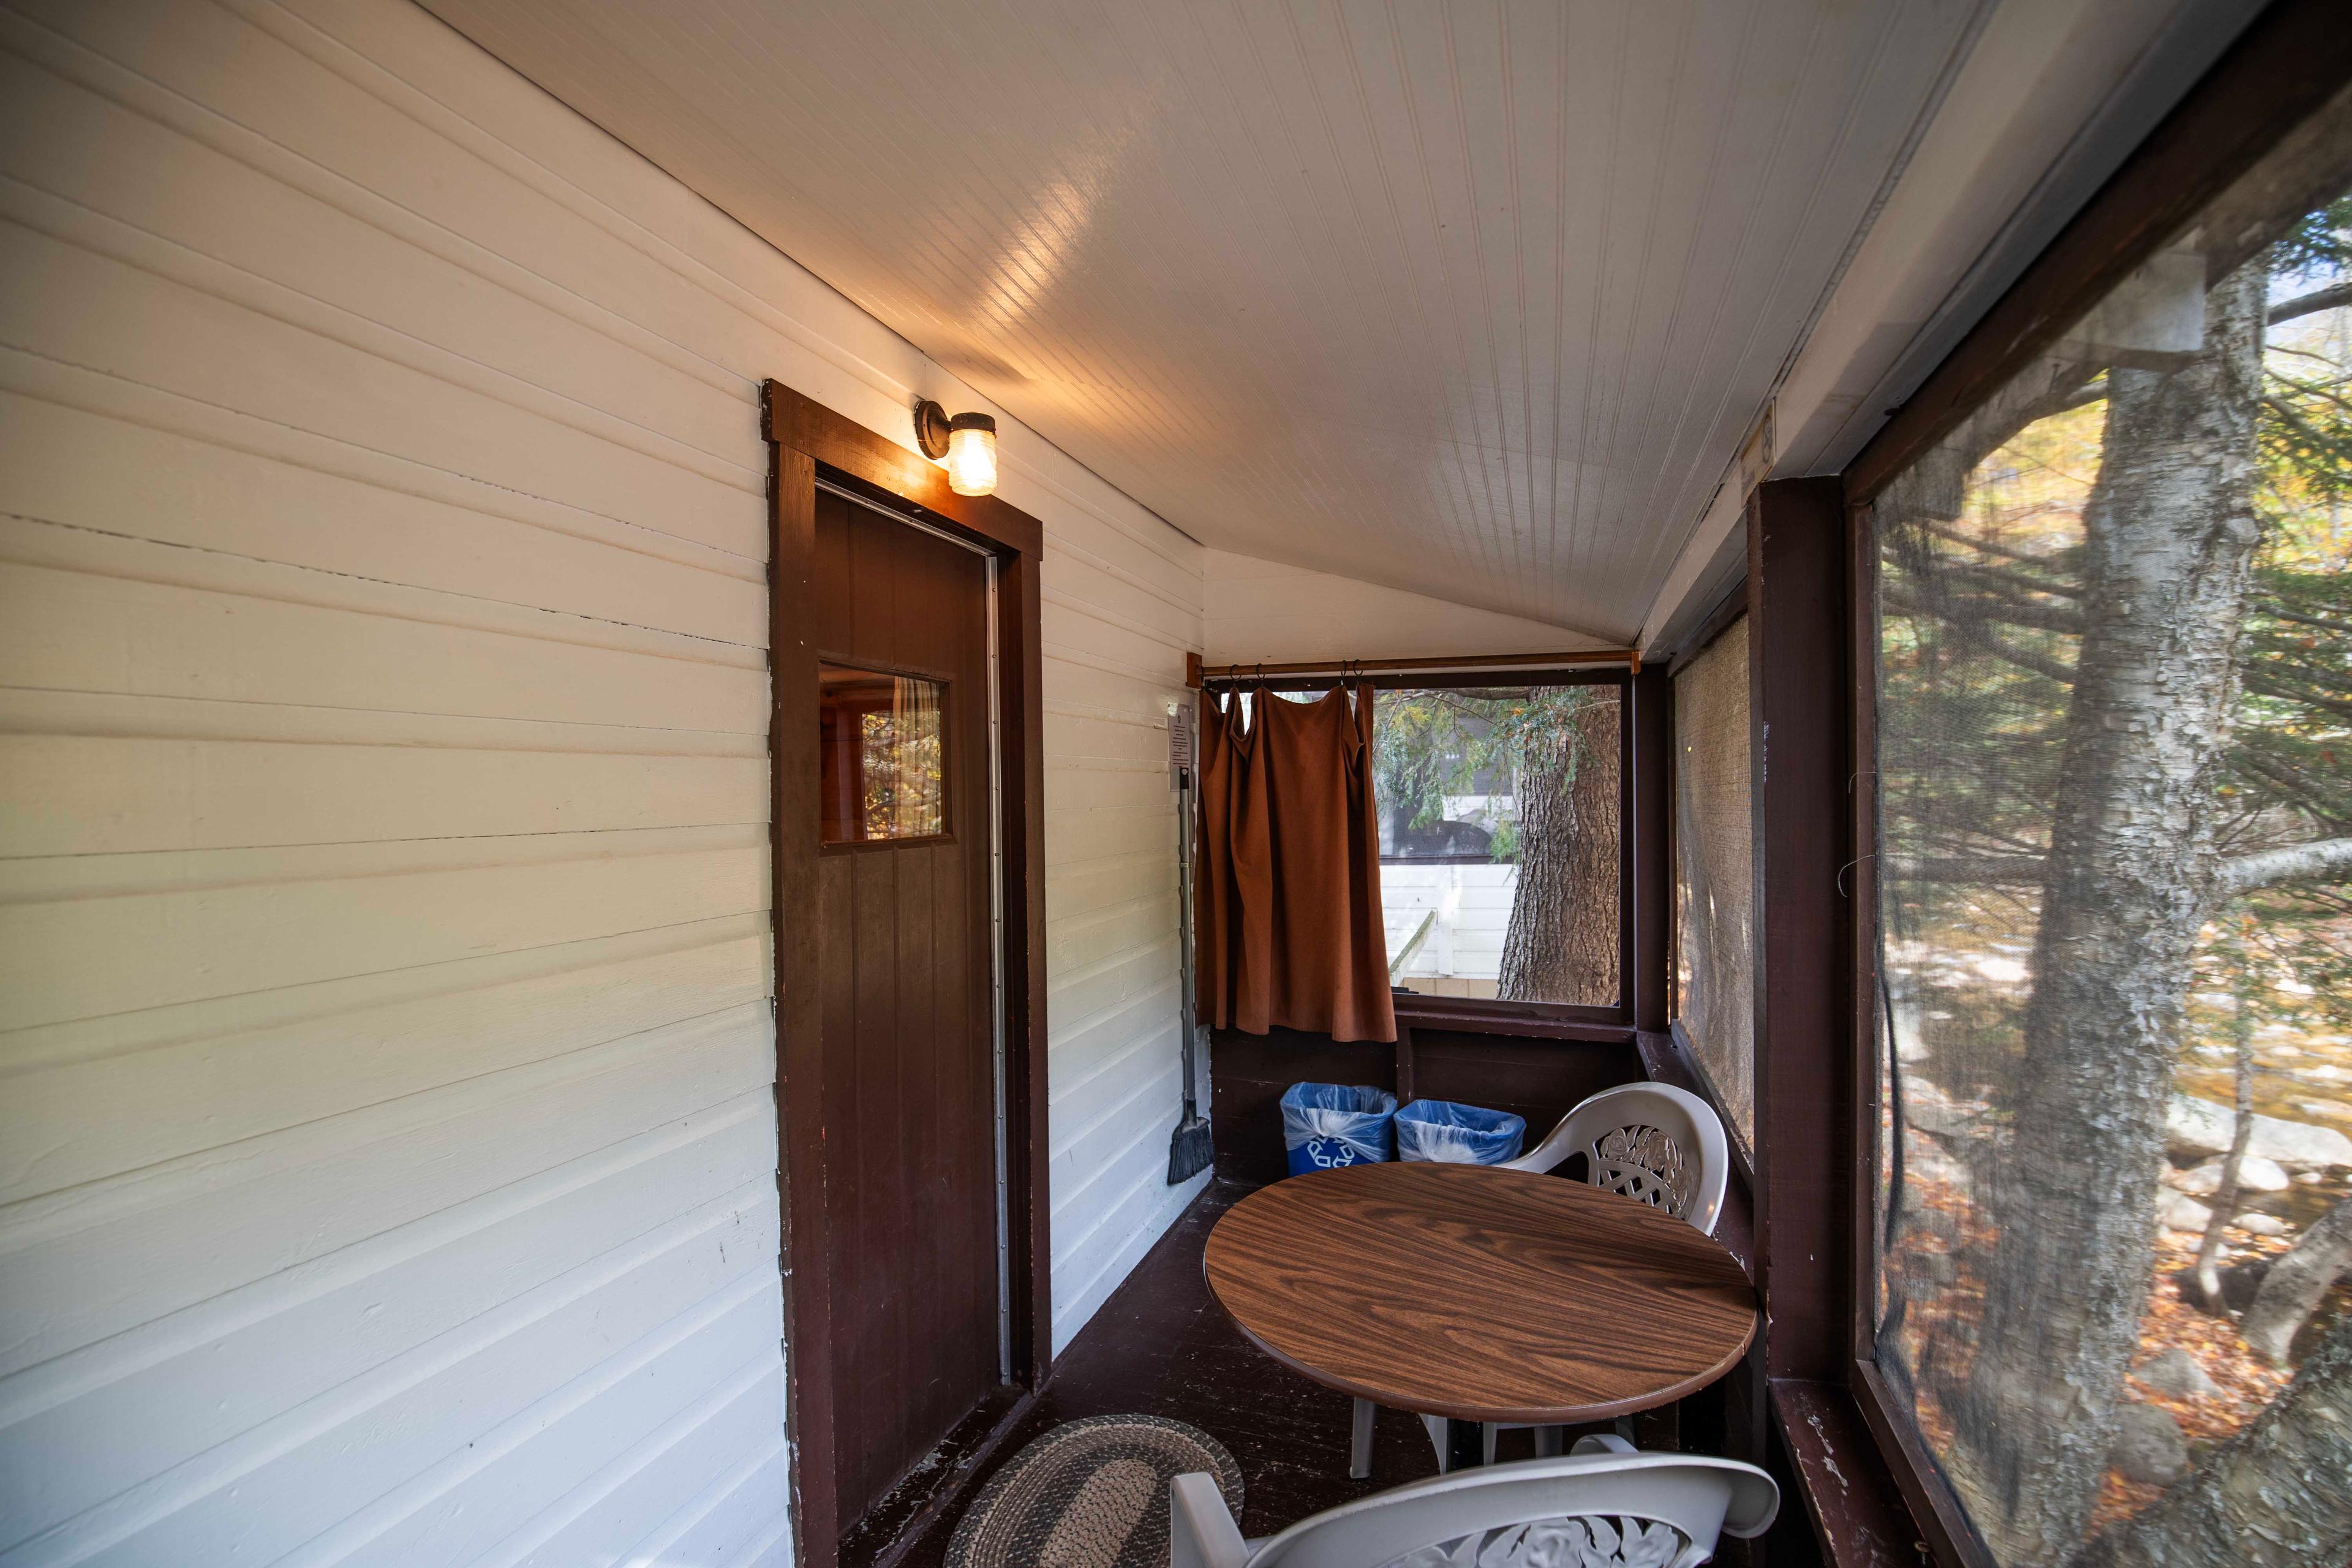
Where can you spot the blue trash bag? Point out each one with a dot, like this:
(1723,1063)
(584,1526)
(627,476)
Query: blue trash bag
(1457,1134)
(1328,1125)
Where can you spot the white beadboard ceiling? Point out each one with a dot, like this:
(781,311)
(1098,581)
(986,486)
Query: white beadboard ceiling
(1476,300)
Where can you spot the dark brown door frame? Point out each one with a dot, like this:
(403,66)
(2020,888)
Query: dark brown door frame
(806,441)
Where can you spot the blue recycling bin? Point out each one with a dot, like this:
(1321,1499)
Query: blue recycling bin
(1457,1134)
(1326,1126)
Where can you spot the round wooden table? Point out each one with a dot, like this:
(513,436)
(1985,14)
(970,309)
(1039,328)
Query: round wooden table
(1480,1294)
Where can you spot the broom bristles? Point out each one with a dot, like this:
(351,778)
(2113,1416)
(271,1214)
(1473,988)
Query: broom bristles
(1190,1150)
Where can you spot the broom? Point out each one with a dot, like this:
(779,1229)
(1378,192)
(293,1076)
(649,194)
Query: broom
(1190,1150)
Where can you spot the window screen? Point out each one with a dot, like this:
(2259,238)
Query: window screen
(1501,859)
(1714,864)
(2115,715)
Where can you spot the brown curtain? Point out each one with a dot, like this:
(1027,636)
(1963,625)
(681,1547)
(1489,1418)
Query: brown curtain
(1289,922)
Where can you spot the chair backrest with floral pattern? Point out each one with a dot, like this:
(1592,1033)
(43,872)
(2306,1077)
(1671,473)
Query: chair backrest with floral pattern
(1653,1142)
(1602,1509)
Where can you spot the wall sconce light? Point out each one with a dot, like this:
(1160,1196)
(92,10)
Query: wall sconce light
(968,442)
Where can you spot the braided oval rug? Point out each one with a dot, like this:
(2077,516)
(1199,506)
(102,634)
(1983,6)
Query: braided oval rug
(1089,1494)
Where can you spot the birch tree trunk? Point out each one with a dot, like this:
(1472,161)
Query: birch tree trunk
(2169,540)
(1562,942)
(2241,1129)
(2275,1496)
(2297,1279)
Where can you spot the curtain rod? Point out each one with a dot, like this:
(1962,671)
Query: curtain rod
(1197,674)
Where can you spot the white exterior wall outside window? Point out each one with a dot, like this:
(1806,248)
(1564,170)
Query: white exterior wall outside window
(1466,910)
(387,1151)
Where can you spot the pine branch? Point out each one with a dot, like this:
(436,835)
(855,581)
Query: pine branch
(2048,668)
(2044,618)
(2272,607)
(2312,444)
(2313,389)
(2321,860)
(2012,870)
(2294,789)
(1993,579)
(2263,683)
(1989,547)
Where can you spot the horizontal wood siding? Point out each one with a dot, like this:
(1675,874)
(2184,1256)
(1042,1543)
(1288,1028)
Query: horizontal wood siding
(1122,606)
(387,1142)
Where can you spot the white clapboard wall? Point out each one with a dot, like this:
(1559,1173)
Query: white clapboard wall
(387,1145)
(1121,608)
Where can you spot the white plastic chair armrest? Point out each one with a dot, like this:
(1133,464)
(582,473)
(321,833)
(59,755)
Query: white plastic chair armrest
(1200,1529)
(1604,1443)
(1755,1504)
(1553,1149)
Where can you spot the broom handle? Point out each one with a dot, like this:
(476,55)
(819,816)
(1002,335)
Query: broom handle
(1184,926)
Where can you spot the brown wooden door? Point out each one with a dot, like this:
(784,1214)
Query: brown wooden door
(905,993)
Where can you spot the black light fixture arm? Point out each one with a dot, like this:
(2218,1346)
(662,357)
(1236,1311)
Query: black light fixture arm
(933,426)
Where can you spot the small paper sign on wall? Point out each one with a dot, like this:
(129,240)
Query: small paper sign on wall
(1180,744)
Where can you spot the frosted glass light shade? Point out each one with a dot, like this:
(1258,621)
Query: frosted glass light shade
(972,454)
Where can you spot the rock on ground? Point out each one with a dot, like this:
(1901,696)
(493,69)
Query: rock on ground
(2258,1224)
(2148,1445)
(2260,1175)
(2202,1182)
(2254,1175)
(2186,1214)
(2176,1373)
(2196,1127)
(1941,1120)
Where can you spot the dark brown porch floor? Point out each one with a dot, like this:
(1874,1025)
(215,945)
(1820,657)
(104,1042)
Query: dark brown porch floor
(1161,1346)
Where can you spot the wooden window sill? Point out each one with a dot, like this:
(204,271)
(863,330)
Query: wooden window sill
(1857,1513)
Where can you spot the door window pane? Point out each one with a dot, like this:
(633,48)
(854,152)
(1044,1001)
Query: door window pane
(1500,862)
(882,768)
(1714,871)
(2114,719)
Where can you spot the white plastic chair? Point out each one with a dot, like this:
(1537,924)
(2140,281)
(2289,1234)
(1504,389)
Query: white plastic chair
(1648,1140)
(1653,1142)
(1604,1503)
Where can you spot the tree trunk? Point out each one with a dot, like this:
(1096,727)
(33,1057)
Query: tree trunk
(1562,942)
(2298,1278)
(2274,1496)
(2242,1131)
(2169,539)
